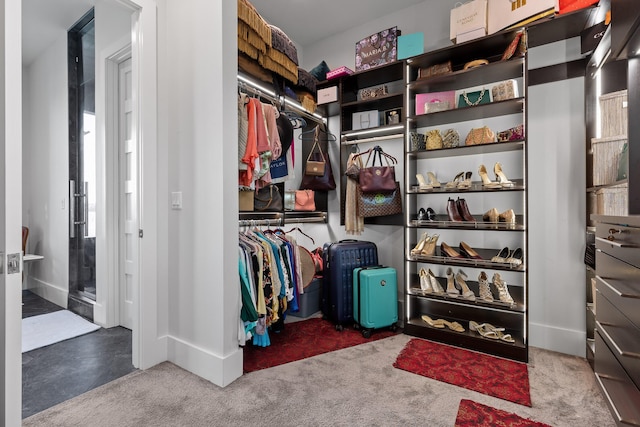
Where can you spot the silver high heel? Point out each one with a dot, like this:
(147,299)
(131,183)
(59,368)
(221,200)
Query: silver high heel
(466,292)
(503,290)
(435,284)
(451,287)
(425,283)
(485,289)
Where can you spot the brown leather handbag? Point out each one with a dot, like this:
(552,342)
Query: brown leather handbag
(374,178)
(482,135)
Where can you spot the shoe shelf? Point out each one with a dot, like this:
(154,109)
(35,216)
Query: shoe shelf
(467,150)
(497,115)
(476,187)
(441,222)
(485,262)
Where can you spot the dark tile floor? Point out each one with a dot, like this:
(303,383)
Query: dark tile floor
(53,374)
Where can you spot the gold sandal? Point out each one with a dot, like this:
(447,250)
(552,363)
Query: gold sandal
(483,330)
(433,323)
(454,326)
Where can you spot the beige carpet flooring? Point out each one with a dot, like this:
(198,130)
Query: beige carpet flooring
(356,386)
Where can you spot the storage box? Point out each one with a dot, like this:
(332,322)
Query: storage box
(470,17)
(410,45)
(377,49)
(327,95)
(339,72)
(365,119)
(309,301)
(471,35)
(613,200)
(435,101)
(613,113)
(606,154)
(503,14)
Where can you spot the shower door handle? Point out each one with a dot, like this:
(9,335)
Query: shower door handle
(84,207)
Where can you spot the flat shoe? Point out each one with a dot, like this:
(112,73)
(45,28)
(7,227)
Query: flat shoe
(454,326)
(433,323)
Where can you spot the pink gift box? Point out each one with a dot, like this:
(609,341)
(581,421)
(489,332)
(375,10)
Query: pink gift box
(339,72)
(435,101)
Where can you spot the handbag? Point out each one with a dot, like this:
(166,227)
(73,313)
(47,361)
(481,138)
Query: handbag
(374,178)
(268,199)
(513,134)
(478,136)
(418,141)
(435,70)
(472,99)
(315,167)
(289,200)
(245,200)
(305,200)
(383,203)
(504,90)
(434,140)
(450,139)
(623,163)
(325,182)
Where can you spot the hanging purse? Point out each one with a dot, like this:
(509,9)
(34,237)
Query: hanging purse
(245,200)
(478,136)
(268,199)
(305,200)
(434,140)
(315,167)
(383,203)
(374,178)
(325,182)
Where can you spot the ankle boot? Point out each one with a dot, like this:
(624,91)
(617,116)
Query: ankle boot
(452,210)
(463,209)
(484,288)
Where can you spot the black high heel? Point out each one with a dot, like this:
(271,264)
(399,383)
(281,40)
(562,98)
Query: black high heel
(502,255)
(431,214)
(515,258)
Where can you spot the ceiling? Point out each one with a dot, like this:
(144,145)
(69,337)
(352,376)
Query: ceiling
(306,22)
(42,21)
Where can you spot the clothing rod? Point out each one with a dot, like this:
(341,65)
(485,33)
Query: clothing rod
(372,139)
(320,219)
(258,89)
(254,222)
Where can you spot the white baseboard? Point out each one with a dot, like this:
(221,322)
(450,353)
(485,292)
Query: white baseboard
(50,292)
(565,341)
(221,371)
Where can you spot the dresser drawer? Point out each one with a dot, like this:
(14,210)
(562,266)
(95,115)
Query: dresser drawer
(620,241)
(623,295)
(620,335)
(622,396)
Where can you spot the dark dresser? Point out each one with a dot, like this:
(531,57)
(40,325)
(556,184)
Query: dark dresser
(617,309)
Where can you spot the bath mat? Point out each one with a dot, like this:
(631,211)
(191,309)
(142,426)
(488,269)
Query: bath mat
(474,414)
(501,378)
(46,329)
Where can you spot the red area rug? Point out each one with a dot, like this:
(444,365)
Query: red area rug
(303,339)
(474,414)
(501,378)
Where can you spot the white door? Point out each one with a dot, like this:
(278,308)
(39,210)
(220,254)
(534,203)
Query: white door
(128,161)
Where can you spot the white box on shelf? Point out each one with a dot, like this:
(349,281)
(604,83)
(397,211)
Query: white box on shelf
(327,95)
(366,119)
(468,17)
(471,35)
(503,14)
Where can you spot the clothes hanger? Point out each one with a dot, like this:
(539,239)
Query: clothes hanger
(301,232)
(329,136)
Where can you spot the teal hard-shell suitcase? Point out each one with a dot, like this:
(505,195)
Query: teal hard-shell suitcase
(375,298)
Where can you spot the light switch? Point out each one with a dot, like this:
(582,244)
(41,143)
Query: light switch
(176,200)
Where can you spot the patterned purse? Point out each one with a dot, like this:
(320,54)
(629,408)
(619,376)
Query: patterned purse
(434,140)
(478,136)
(383,203)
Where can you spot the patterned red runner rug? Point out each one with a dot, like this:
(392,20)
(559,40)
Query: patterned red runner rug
(303,339)
(501,378)
(474,414)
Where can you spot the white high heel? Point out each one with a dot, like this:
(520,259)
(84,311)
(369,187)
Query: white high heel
(433,181)
(422,184)
(501,177)
(503,290)
(435,284)
(451,287)
(466,292)
(486,182)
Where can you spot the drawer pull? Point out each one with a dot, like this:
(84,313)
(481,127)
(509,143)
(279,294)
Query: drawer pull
(606,394)
(616,291)
(614,243)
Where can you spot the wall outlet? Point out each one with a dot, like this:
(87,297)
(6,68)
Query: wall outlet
(176,200)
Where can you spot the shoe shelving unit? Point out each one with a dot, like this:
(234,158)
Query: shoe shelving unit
(486,238)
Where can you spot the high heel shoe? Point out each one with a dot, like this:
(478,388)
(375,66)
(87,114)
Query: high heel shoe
(484,288)
(431,214)
(430,247)
(502,255)
(422,184)
(417,250)
(482,330)
(501,177)
(491,215)
(463,210)
(436,287)
(432,180)
(499,333)
(468,252)
(451,287)
(486,182)
(452,211)
(466,183)
(448,251)
(425,283)
(454,183)
(515,259)
(466,292)
(503,290)
(508,216)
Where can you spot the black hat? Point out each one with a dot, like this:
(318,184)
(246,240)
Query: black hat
(285,131)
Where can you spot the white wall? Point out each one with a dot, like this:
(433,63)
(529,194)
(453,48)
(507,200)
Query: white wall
(198,67)
(45,167)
